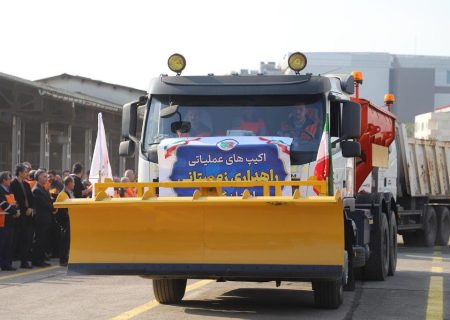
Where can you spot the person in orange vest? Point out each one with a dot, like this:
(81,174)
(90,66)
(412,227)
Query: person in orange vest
(126,192)
(300,124)
(251,121)
(55,186)
(8,214)
(129,173)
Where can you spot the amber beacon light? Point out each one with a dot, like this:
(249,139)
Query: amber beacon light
(176,63)
(389,100)
(358,76)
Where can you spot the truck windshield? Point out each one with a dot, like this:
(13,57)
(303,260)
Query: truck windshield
(298,117)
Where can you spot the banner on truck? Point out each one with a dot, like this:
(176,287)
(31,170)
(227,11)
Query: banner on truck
(224,159)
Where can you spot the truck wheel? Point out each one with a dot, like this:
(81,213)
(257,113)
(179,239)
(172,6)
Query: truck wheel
(392,245)
(169,291)
(429,231)
(378,264)
(443,226)
(328,294)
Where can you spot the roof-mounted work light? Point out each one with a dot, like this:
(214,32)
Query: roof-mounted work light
(297,62)
(176,63)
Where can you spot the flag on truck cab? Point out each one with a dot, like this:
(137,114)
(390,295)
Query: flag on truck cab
(323,160)
(100,166)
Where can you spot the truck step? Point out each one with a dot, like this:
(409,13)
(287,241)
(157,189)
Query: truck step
(403,227)
(409,212)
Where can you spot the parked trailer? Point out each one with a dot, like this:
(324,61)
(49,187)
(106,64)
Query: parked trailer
(423,194)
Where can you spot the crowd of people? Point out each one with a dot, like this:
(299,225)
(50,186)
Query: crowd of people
(31,229)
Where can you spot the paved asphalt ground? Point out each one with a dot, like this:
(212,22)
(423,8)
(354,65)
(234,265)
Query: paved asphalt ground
(419,290)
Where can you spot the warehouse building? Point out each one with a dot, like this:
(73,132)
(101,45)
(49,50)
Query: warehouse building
(52,123)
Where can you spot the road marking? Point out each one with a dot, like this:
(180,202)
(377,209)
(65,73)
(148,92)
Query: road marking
(437,269)
(435,303)
(435,308)
(150,305)
(26,273)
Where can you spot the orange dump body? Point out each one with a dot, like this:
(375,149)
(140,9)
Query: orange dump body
(377,127)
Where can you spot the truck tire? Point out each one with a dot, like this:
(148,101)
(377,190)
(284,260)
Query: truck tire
(328,294)
(392,245)
(169,291)
(377,266)
(428,234)
(443,226)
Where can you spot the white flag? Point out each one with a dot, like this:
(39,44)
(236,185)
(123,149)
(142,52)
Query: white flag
(100,166)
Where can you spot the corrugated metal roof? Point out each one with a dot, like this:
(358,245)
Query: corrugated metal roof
(66,75)
(64,95)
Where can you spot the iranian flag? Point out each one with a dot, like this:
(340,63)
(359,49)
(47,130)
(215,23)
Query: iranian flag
(323,161)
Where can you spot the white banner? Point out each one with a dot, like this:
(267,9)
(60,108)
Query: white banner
(100,166)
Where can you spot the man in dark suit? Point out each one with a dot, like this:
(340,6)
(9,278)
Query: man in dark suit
(79,191)
(24,198)
(43,211)
(8,215)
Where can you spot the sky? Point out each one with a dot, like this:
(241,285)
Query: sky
(128,42)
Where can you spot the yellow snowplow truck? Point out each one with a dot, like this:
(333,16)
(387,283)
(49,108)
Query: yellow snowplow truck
(243,178)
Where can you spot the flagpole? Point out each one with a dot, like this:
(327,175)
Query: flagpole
(100,151)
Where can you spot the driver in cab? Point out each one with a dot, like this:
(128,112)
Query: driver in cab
(300,124)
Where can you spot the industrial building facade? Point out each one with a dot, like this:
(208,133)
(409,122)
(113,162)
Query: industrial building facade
(420,83)
(52,127)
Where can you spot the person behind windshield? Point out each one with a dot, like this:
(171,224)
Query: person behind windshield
(199,127)
(300,124)
(251,121)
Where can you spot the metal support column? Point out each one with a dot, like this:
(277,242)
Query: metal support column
(44,161)
(67,150)
(16,142)
(87,148)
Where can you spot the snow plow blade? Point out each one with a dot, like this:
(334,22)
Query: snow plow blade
(208,235)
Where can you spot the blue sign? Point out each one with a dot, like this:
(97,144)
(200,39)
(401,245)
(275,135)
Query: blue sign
(228,161)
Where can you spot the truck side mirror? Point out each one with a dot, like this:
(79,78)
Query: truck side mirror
(169,111)
(126,148)
(129,120)
(350,149)
(351,120)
